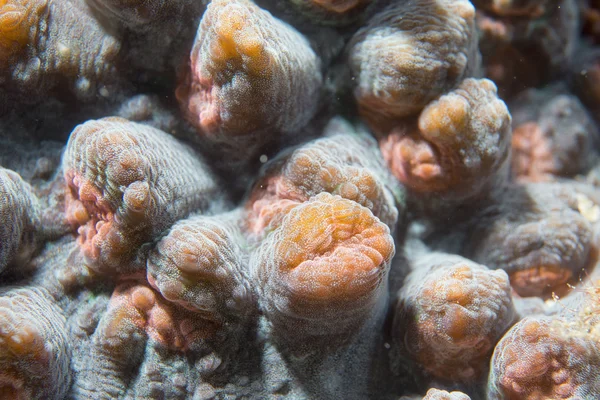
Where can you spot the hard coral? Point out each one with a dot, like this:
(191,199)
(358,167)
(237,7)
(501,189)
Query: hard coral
(252,78)
(202,265)
(515,8)
(554,136)
(450,314)
(136,321)
(344,163)
(20,214)
(458,149)
(328,260)
(310,288)
(35,353)
(133,13)
(127,183)
(542,235)
(436,394)
(541,358)
(409,54)
(14,27)
(46,46)
(520,52)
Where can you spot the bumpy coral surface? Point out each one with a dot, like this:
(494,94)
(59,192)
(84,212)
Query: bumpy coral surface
(341,164)
(46,43)
(200,265)
(552,136)
(20,213)
(544,239)
(459,146)
(521,51)
(34,346)
(242,55)
(327,260)
(540,359)
(410,53)
(299,199)
(472,306)
(124,189)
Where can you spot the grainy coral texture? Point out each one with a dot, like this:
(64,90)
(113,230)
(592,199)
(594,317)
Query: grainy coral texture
(299,199)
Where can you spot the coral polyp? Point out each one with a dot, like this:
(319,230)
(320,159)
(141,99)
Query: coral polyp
(471,303)
(243,55)
(34,346)
(327,260)
(14,30)
(400,61)
(299,199)
(123,189)
(459,147)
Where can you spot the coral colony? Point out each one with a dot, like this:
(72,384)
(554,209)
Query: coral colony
(299,199)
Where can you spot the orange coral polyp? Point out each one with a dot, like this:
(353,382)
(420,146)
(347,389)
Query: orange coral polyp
(13,27)
(333,248)
(89,213)
(140,307)
(415,162)
(541,280)
(238,40)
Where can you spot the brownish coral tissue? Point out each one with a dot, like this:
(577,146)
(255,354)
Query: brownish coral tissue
(299,199)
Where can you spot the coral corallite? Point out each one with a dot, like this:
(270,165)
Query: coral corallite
(136,319)
(127,183)
(541,236)
(409,54)
(544,358)
(471,305)
(48,44)
(328,261)
(460,146)
(14,29)
(34,346)
(243,55)
(20,214)
(343,164)
(201,265)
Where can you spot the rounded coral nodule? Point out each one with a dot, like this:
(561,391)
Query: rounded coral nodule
(20,216)
(411,53)
(345,164)
(55,43)
(460,147)
(127,183)
(199,264)
(542,235)
(35,353)
(15,20)
(544,358)
(250,73)
(140,306)
(450,314)
(554,136)
(327,261)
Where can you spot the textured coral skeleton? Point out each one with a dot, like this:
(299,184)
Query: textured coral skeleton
(299,199)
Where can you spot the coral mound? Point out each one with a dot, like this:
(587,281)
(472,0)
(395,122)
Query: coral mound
(299,199)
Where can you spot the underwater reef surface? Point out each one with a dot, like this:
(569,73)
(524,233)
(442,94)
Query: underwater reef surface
(299,199)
